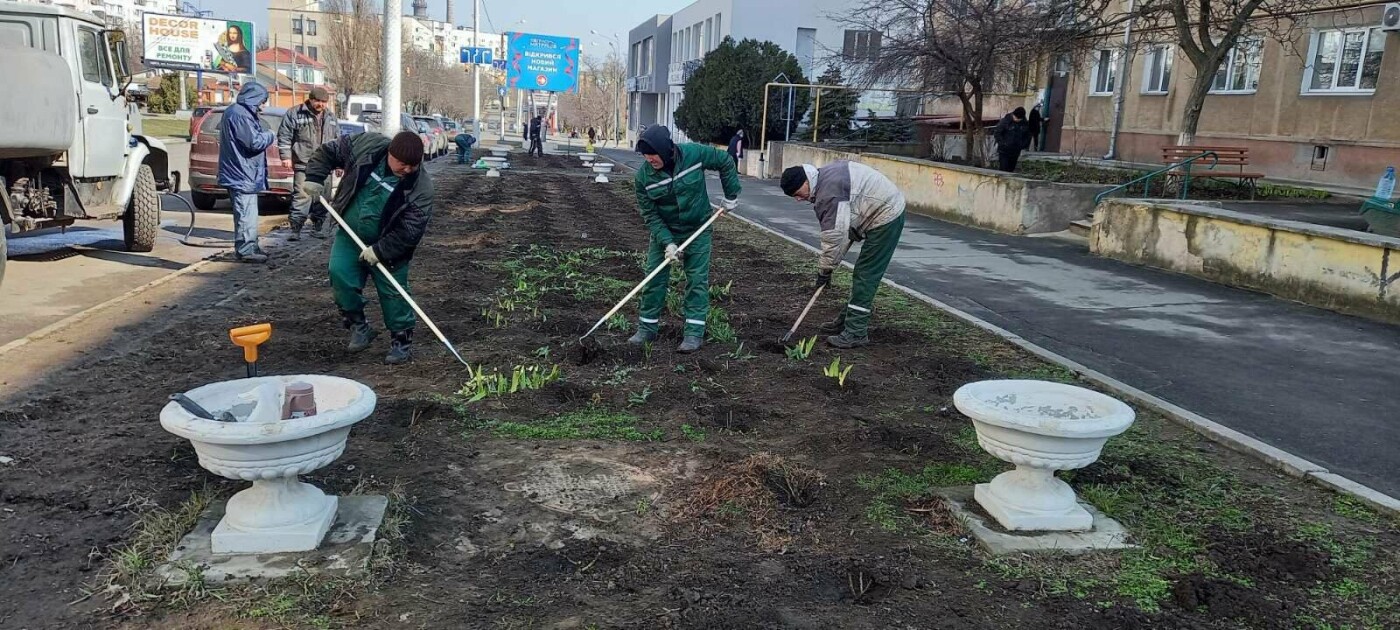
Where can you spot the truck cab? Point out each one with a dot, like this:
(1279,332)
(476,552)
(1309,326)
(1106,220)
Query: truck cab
(67,150)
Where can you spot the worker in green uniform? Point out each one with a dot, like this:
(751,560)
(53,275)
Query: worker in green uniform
(387,200)
(674,202)
(854,203)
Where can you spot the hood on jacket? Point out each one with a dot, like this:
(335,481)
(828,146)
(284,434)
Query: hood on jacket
(658,138)
(252,95)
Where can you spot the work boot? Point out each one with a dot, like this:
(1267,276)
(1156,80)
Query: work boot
(846,340)
(642,337)
(399,353)
(361,334)
(690,344)
(319,229)
(255,258)
(296,231)
(834,326)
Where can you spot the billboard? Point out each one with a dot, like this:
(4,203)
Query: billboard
(542,62)
(189,43)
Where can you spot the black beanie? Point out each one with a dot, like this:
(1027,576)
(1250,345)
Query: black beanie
(1019,112)
(644,148)
(793,179)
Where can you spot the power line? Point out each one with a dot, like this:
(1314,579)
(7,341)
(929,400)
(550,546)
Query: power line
(487,10)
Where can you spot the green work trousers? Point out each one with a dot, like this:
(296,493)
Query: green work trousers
(696,262)
(875,253)
(348,276)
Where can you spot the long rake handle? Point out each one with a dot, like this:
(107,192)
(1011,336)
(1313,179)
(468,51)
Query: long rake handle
(797,324)
(392,282)
(664,264)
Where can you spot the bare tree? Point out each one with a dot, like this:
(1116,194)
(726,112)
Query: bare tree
(964,47)
(597,102)
(353,45)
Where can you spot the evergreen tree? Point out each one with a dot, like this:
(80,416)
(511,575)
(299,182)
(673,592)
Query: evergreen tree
(725,94)
(837,107)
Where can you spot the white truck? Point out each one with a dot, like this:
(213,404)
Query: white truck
(67,147)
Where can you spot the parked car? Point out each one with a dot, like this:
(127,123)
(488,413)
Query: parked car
(205,190)
(348,128)
(439,135)
(195,117)
(375,119)
(452,129)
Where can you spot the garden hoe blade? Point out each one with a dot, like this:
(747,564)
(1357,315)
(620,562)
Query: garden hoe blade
(394,283)
(803,316)
(664,264)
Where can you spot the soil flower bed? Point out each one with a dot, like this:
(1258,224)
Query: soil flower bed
(615,487)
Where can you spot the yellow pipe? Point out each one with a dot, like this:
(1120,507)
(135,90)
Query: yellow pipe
(816,115)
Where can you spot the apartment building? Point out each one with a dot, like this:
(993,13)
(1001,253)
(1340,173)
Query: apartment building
(115,12)
(1317,109)
(304,27)
(809,29)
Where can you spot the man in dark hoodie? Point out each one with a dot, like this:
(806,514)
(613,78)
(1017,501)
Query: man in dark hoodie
(243,142)
(387,200)
(674,202)
(536,136)
(1013,135)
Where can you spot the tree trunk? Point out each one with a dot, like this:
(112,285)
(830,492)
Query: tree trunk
(969,125)
(1206,67)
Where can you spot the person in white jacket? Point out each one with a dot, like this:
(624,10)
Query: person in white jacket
(853,203)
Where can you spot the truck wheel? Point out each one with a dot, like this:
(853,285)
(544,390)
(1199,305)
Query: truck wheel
(141,222)
(4,235)
(203,201)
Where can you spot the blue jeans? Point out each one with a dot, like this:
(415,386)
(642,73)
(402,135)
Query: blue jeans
(245,223)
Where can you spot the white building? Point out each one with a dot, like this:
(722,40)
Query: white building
(804,28)
(448,40)
(115,11)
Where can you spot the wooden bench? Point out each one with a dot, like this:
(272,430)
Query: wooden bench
(1233,159)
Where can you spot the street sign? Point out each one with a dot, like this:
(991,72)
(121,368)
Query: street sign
(498,64)
(476,56)
(501,91)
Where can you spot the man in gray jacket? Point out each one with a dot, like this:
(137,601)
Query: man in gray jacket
(304,129)
(854,203)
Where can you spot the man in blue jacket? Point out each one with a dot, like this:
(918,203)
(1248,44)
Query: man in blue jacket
(243,143)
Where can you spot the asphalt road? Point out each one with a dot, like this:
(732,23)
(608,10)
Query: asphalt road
(55,273)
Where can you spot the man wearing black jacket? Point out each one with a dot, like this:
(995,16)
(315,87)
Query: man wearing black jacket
(1013,135)
(536,136)
(387,200)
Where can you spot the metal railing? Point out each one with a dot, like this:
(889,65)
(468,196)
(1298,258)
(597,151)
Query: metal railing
(1147,179)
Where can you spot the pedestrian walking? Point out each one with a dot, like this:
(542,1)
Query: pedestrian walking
(854,203)
(303,130)
(736,147)
(243,143)
(592,138)
(1013,135)
(536,136)
(464,142)
(387,199)
(674,201)
(1037,123)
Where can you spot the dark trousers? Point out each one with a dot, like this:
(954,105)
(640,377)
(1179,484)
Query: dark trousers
(1008,159)
(536,146)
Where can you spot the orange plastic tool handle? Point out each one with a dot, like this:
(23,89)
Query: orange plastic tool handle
(250,337)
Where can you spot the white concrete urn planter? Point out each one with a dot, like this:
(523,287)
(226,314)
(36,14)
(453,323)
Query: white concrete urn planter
(279,513)
(496,164)
(1040,427)
(602,169)
(499,151)
(587,159)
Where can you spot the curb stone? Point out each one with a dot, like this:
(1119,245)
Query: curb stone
(1284,461)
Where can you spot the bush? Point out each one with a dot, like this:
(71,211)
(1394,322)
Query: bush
(726,92)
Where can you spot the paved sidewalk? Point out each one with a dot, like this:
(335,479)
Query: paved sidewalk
(1312,382)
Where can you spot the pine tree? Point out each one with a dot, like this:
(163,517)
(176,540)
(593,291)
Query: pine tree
(725,94)
(837,107)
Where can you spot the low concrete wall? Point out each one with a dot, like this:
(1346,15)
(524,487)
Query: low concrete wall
(1329,267)
(988,199)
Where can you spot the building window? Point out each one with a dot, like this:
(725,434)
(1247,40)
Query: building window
(300,50)
(296,25)
(719,29)
(313,53)
(1157,70)
(861,45)
(647,45)
(1239,73)
(1344,60)
(709,34)
(1105,72)
(311,27)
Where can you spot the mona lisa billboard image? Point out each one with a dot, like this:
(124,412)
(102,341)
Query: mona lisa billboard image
(189,43)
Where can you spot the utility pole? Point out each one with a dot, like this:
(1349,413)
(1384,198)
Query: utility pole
(391,90)
(476,70)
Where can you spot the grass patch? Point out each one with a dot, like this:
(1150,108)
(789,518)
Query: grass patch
(894,489)
(165,127)
(589,424)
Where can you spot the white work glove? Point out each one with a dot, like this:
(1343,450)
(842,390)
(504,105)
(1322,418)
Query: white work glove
(729,205)
(673,253)
(313,190)
(368,256)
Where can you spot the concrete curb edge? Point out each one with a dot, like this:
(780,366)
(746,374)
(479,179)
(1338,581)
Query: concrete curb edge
(1289,463)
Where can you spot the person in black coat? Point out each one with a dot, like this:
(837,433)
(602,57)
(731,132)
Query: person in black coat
(736,147)
(1013,135)
(1037,123)
(536,136)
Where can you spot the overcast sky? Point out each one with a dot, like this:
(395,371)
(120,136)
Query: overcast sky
(573,18)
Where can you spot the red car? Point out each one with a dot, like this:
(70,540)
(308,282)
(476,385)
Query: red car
(196,117)
(205,190)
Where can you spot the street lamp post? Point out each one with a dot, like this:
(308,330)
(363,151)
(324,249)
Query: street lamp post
(391,91)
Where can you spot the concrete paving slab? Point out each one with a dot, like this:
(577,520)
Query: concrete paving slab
(345,551)
(1107,534)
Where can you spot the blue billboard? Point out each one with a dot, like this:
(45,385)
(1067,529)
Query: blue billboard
(542,62)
